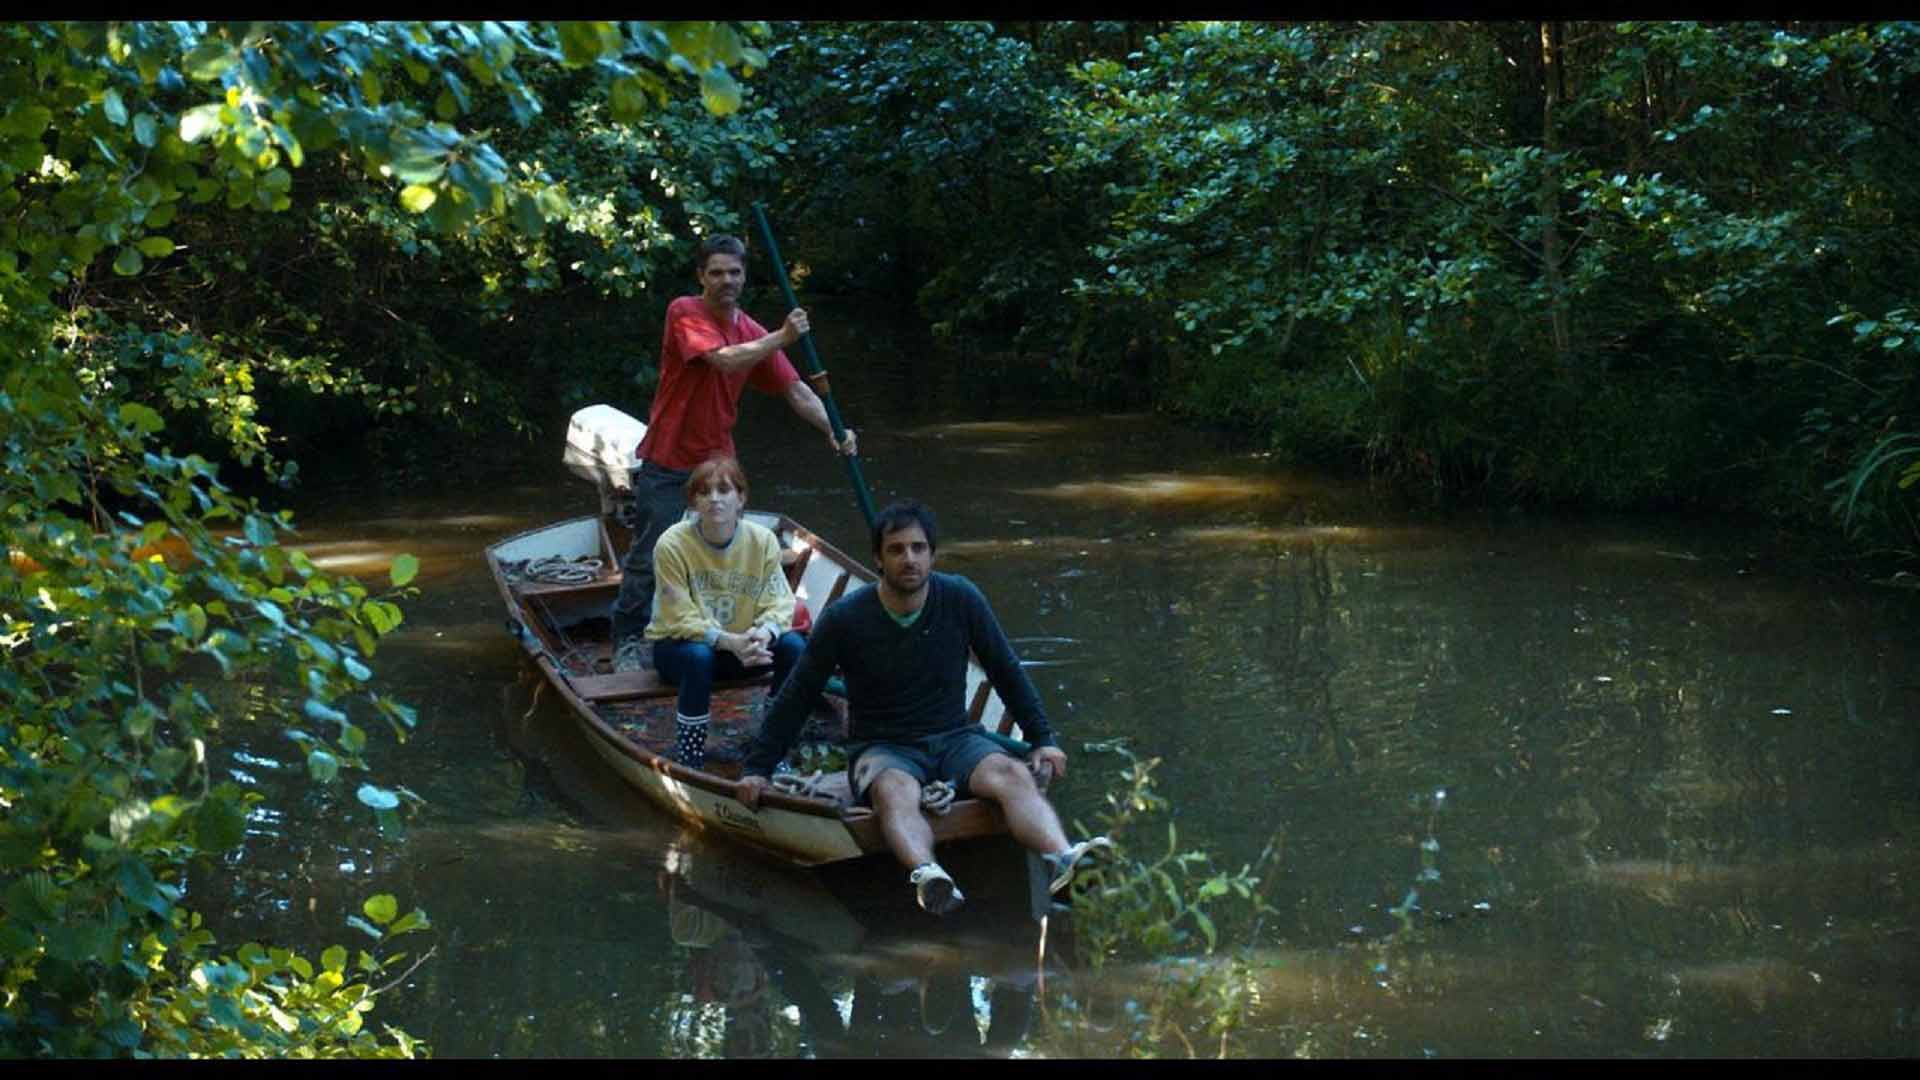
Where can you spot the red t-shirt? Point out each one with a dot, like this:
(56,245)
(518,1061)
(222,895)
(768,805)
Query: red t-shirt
(695,404)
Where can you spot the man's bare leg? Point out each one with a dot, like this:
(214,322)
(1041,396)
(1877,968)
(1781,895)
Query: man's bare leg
(896,799)
(1030,817)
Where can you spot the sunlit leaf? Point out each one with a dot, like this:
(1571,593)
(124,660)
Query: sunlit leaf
(141,417)
(403,570)
(1206,928)
(381,908)
(411,921)
(126,817)
(719,92)
(199,122)
(320,710)
(377,798)
(322,766)
(258,530)
(417,198)
(417,158)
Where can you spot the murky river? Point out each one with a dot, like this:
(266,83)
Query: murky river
(1654,794)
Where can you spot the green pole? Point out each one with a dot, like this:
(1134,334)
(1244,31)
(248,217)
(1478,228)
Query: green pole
(816,374)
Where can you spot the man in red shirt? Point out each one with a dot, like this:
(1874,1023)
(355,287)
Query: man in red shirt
(709,352)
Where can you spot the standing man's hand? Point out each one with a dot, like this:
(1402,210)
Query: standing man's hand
(796,326)
(848,446)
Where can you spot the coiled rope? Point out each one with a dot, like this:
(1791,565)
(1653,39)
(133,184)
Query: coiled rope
(560,570)
(806,787)
(937,798)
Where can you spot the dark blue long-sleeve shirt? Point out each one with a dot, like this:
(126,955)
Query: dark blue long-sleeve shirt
(903,682)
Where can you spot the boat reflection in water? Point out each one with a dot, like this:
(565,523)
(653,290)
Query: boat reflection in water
(862,971)
(782,961)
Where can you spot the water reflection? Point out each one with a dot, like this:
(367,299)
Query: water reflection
(1681,816)
(1165,488)
(732,954)
(1052,427)
(781,965)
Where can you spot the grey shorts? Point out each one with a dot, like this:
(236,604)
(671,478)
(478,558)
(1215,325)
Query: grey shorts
(950,756)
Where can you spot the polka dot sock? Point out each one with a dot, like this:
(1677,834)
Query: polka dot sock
(690,742)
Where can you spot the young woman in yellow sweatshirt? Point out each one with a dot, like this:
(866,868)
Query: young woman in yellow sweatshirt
(722,608)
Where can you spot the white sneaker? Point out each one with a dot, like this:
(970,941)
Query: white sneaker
(1068,862)
(630,655)
(935,889)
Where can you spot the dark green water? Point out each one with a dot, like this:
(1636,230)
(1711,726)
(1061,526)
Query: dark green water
(1671,784)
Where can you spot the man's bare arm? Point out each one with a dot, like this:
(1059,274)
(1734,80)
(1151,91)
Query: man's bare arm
(810,408)
(734,358)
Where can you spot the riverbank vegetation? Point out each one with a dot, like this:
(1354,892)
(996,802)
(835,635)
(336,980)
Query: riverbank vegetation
(172,302)
(1582,264)
(1593,264)
(1572,263)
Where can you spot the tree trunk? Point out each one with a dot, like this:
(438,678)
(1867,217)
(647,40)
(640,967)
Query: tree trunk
(1551,253)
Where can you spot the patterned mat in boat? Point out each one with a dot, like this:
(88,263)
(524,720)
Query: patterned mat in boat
(649,723)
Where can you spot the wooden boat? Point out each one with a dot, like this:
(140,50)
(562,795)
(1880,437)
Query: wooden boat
(629,717)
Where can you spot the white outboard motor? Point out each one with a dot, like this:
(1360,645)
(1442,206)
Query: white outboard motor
(601,441)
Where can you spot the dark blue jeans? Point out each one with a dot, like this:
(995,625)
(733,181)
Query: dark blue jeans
(659,502)
(694,665)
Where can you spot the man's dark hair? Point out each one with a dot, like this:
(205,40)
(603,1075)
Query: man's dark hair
(718,244)
(899,515)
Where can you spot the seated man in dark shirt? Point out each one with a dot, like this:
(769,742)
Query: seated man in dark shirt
(902,646)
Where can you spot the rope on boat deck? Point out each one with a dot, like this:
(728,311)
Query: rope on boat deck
(807,787)
(937,798)
(560,570)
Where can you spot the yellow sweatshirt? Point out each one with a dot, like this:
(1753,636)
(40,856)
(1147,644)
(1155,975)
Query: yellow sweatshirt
(700,590)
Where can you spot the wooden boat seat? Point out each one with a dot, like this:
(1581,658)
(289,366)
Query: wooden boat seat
(620,686)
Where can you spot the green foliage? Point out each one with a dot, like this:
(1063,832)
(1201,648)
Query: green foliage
(1160,910)
(1445,248)
(1891,465)
(1877,499)
(166,153)
(267,1002)
(121,602)
(162,279)
(912,147)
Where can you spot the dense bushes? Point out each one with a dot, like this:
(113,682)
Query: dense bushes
(172,300)
(1618,264)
